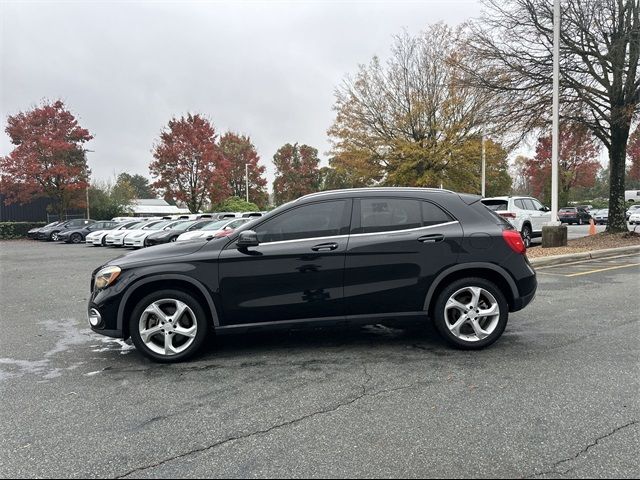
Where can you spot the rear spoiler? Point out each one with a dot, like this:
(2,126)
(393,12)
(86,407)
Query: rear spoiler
(470,199)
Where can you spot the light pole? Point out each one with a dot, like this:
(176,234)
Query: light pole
(484,167)
(246,178)
(555,142)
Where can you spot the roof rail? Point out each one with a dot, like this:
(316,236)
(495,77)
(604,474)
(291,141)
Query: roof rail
(369,189)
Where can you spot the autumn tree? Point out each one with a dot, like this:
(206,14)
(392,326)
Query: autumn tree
(240,152)
(188,165)
(469,179)
(520,175)
(139,183)
(404,122)
(511,57)
(109,200)
(296,172)
(578,163)
(48,159)
(633,154)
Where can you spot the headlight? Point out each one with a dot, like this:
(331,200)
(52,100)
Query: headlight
(106,277)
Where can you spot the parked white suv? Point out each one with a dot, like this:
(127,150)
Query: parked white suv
(526,214)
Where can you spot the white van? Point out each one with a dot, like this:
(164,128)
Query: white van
(632,195)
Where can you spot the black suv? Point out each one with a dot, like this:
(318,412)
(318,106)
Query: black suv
(360,255)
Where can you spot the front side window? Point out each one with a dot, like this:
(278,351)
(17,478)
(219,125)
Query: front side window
(324,219)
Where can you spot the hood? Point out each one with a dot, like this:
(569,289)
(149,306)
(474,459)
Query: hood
(158,253)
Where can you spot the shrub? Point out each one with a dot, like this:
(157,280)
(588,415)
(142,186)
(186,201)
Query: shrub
(17,229)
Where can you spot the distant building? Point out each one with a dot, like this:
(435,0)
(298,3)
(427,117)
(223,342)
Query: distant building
(154,207)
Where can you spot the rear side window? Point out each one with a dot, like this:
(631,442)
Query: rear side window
(495,205)
(529,204)
(389,214)
(520,204)
(324,219)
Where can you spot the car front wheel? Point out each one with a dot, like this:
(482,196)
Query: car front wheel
(471,313)
(169,326)
(54,236)
(76,238)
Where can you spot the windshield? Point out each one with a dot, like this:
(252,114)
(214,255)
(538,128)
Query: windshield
(158,226)
(181,226)
(567,209)
(215,225)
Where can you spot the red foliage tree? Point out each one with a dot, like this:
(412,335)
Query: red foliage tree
(633,154)
(48,160)
(239,151)
(297,172)
(578,163)
(188,165)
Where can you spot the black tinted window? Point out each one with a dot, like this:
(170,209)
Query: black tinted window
(495,205)
(316,220)
(433,215)
(386,214)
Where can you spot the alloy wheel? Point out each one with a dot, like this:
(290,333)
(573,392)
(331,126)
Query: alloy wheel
(76,238)
(54,236)
(472,314)
(168,327)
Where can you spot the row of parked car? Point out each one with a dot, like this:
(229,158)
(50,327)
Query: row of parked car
(528,214)
(142,232)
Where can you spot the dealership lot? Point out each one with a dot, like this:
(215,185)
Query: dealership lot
(556,396)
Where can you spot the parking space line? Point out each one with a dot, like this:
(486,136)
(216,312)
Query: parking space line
(586,261)
(602,269)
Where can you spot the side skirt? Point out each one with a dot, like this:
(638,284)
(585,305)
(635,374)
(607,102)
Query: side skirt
(319,322)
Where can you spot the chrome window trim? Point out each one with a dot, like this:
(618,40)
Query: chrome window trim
(335,237)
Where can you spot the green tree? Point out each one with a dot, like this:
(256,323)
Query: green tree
(235,204)
(139,183)
(109,200)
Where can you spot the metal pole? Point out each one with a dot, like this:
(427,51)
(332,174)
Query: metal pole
(246,177)
(555,142)
(484,167)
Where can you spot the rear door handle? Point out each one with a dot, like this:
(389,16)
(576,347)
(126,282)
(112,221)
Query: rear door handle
(436,237)
(325,247)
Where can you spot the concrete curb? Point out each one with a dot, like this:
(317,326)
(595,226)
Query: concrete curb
(573,257)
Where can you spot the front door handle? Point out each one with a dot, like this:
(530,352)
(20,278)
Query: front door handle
(325,247)
(437,237)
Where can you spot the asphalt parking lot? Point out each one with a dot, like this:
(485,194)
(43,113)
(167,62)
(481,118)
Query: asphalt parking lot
(557,396)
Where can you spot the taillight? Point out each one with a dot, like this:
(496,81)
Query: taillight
(514,240)
(508,215)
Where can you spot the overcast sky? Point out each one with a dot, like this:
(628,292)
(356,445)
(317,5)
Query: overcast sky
(267,69)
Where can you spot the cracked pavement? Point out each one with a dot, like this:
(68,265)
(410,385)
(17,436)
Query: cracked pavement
(557,396)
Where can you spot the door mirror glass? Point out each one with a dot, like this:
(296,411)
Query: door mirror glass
(545,209)
(248,238)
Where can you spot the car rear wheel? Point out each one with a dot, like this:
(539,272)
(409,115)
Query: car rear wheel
(471,313)
(526,235)
(169,326)
(76,238)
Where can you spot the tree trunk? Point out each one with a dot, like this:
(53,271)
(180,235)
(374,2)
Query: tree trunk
(617,158)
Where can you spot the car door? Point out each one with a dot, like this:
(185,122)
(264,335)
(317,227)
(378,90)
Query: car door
(297,270)
(396,248)
(542,217)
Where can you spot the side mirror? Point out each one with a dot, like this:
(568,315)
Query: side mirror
(248,238)
(545,209)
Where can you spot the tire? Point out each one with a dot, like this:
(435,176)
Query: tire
(155,346)
(103,242)
(76,238)
(445,317)
(526,235)
(54,236)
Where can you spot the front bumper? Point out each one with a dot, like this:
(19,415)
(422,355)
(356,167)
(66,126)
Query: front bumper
(115,242)
(134,242)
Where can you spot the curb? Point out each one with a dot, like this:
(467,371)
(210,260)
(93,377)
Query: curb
(572,257)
